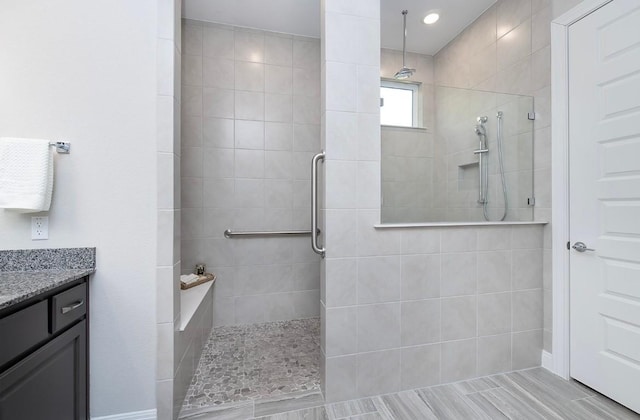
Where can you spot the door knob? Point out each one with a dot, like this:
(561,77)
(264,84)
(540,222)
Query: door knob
(581,247)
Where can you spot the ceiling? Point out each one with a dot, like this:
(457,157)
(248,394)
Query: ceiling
(455,15)
(298,17)
(302,17)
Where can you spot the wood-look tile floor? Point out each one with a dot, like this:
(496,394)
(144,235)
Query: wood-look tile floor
(529,394)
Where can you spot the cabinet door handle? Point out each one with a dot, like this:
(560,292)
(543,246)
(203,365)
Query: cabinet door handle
(75,305)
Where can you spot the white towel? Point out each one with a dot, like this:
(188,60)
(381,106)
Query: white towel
(189,278)
(26,174)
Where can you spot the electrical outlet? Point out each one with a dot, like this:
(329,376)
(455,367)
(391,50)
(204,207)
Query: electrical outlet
(39,228)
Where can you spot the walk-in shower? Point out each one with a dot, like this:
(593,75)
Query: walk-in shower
(251,125)
(446,173)
(483,164)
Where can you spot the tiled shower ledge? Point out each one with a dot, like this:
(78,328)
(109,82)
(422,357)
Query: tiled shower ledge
(402,127)
(190,301)
(453,224)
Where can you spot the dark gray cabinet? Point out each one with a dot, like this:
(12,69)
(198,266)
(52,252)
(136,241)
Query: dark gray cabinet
(47,380)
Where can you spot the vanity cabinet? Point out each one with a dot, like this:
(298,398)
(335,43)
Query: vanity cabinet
(44,356)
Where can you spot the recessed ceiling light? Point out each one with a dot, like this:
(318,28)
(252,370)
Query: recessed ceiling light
(431,18)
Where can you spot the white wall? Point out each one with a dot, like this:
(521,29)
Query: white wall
(84,72)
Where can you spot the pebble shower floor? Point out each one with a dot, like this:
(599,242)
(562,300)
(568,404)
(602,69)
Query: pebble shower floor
(250,362)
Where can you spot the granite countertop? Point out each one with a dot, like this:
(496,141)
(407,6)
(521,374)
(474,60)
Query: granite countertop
(29,272)
(18,286)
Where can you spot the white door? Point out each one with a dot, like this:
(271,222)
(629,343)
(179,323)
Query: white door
(604,159)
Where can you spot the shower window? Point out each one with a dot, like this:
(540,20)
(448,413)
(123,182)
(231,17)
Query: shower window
(399,103)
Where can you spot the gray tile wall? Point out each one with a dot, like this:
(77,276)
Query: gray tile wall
(441,305)
(408,154)
(507,49)
(169,388)
(431,175)
(456,171)
(403,308)
(190,345)
(250,125)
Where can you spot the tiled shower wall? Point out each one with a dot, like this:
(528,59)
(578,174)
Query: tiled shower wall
(250,126)
(390,63)
(407,174)
(507,50)
(431,174)
(404,308)
(441,305)
(173,369)
(407,153)
(456,179)
(178,351)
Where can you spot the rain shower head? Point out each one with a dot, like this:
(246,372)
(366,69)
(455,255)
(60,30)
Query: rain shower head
(405,72)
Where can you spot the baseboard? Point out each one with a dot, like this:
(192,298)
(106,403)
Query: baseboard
(547,360)
(136,415)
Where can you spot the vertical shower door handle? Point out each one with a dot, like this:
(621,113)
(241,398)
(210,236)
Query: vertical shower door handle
(314,204)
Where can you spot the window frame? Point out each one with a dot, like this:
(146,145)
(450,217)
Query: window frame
(415,88)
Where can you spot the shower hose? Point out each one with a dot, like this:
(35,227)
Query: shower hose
(502,178)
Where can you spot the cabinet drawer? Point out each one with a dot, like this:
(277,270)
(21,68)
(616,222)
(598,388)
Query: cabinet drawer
(22,330)
(68,306)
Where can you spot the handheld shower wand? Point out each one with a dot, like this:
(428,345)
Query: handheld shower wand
(499,116)
(483,168)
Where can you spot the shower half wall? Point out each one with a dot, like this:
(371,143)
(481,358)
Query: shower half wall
(250,126)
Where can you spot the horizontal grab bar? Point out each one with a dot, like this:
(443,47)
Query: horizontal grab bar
(230,234)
